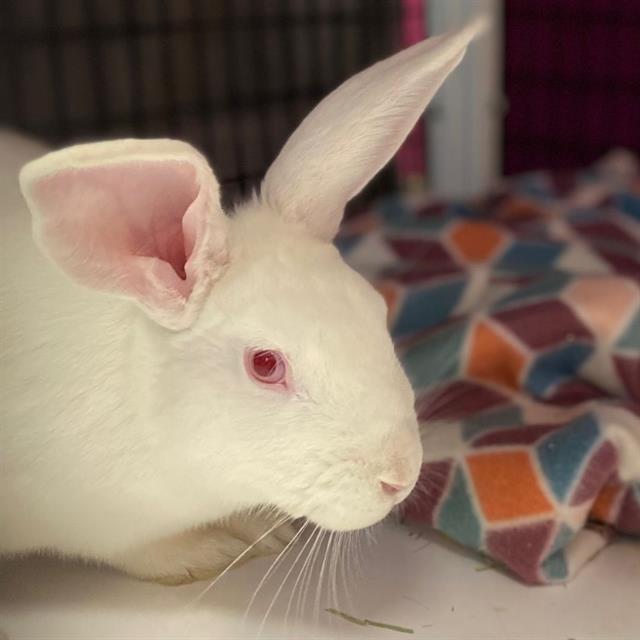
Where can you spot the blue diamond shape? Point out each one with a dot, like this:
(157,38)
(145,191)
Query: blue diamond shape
(562,453)
(530,256)
(457,516)
(422,308)
(630,339)
(553,367)
(545,287)
(629,204)
(436,357)
(506,417)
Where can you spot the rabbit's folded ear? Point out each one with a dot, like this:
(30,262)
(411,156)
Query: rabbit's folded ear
(137,218)
(356,130)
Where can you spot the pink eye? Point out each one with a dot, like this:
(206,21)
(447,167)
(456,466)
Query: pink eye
(266,367)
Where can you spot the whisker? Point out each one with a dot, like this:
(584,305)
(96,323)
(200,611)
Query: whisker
(317,545)
(370,537)
(354,555)
(352,560)
(271,568)
(428,492)
(319,588)
(348,559)
(333,568)
(235,561)
(434,472)
(344,568)
(284,580)
(359,555)
(314,535)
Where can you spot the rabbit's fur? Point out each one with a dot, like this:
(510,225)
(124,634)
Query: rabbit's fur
(129,421)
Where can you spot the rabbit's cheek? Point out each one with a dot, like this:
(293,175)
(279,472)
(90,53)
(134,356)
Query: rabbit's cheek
(358,492)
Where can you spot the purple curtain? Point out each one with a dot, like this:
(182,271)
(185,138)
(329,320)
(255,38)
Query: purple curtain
(572,78)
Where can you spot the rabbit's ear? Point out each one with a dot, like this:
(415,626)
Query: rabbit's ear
(137,218)
(356,129)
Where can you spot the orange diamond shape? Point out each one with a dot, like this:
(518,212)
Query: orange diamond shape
(476,241)
(515,207)
(507,485)
(493,358)
(603,506)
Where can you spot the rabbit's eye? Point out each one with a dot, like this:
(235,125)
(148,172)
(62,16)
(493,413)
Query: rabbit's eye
(267,367)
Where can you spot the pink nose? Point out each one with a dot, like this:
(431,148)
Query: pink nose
(392,488)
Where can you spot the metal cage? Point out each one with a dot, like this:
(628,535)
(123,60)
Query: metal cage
(233,77)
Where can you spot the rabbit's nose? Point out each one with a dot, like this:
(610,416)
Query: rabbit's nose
(392,488)
(399,471)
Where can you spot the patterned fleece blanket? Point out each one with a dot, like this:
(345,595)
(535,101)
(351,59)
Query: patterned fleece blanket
(517,318)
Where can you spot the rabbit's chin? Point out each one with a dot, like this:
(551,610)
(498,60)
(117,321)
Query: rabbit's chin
(344,518)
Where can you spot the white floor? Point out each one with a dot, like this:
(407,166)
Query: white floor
(412,581)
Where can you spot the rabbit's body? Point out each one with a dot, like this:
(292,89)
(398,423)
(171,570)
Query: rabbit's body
(72,422)
(168,366)
(86,435)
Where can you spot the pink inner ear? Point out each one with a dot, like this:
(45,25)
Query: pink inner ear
(97,220)
(158,232)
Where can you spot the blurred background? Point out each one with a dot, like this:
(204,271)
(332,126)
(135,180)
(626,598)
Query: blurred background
(556,85)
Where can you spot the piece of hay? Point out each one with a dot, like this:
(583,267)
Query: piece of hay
(365,622)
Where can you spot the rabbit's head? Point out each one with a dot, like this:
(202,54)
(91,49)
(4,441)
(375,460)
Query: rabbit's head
(261,360)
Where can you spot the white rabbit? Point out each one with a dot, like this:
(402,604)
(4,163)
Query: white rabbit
(180,366)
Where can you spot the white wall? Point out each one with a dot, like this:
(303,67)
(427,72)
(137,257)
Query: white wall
(464,121)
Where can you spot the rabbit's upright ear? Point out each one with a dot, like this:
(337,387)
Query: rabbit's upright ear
(137,218)
(356,129)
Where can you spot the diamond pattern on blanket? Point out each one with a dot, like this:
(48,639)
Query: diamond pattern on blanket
(521,547)
(457,517)
(522,362)
(562,453)
(493,422)
(607,503)
(629,512)
(507,485)
(476,241)
(628,369)
(554,566)
(433,483)
(457,400)
(620,261)
(595,475)
(543,324)
(523,256)
(493,357)
(606,303)
(530,434)
(425,307)
(429,361)
(421,250)
(628,204)
(605,230)
(546,285)
(571,392)
(630,338)
(554,367)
